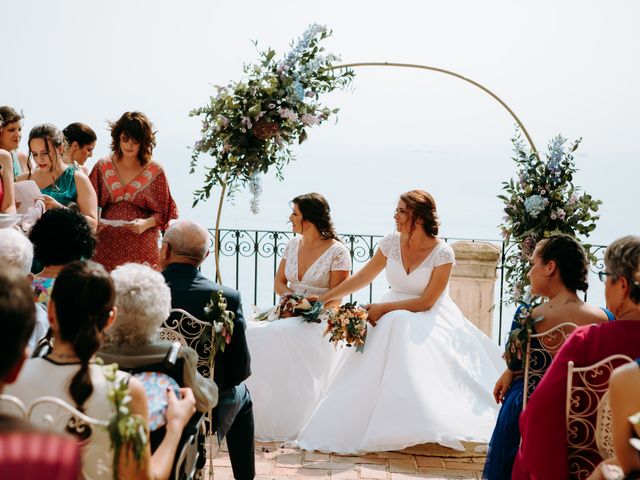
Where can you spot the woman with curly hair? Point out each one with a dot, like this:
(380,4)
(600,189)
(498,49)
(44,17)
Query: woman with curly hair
(313,261)
(133,194)
(559,268)
(59,237)
(426,372)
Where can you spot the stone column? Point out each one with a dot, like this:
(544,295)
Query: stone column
(473,282)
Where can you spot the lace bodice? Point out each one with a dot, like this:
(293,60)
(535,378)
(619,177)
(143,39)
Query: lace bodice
(316,279)
(414,283)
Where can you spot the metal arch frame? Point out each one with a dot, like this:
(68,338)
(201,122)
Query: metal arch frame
(382,64)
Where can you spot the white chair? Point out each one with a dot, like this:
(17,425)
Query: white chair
(192,332)
(13,406)
(537,359)
(55,415)
(588,415)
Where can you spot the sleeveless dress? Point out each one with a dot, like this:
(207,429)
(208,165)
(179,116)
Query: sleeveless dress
(290,359)
(505,440)
(64,188)
(97,456)
(17,169)
(423,376)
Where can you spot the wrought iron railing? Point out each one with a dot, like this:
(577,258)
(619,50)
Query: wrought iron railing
(249,260)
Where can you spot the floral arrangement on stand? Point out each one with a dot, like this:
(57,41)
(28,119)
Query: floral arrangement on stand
(125,429)
(542,201)
(222,319)
(251,124)
(347,323)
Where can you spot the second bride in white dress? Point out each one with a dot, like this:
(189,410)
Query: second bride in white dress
(426,373)
(290,360)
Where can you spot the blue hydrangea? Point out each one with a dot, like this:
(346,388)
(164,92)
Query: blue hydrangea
(298,90)
(534,205)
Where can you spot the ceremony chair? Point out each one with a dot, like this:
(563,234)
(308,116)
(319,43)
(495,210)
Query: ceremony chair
(588,415)
(538,359)
(13,406)
(192,332)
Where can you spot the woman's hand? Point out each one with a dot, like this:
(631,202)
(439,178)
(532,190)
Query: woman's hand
(180,410)
(50,203)
(502,385)
(140,225)
(376,310)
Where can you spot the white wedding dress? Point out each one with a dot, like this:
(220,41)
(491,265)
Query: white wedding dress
(290,359)
(423,377)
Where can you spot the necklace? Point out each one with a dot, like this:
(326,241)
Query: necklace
(64,356)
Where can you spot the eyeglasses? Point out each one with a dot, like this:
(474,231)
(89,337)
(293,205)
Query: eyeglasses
(602,275)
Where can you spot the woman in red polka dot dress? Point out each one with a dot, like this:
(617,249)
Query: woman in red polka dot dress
(133,194)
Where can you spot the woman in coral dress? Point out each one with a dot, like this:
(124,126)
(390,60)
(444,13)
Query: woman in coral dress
(133,195)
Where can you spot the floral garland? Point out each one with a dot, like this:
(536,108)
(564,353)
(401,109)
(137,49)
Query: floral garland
(251,124)
(541,202)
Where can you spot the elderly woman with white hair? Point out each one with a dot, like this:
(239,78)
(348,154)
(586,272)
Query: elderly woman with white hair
(17,251)
(143,301)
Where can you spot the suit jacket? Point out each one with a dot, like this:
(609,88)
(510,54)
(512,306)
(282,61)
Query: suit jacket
(191,291)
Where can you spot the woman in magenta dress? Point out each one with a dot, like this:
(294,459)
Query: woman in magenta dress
(133,191)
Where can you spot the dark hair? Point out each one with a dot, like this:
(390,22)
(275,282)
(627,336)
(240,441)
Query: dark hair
(570,258)
(134,125)
(80,133)
(62,235)
(83,296)
(622,259)
(422,206)
(17,317)
(52,137)
(315,209)
(9,115)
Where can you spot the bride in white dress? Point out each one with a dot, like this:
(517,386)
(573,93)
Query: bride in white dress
(290,360)
(426,373)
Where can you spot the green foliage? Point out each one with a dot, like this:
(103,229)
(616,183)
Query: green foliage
(125,430)
(222,319)
(542,201)
(251,124)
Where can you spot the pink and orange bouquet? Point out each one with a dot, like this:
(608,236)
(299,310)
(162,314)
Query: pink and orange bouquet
(348,324)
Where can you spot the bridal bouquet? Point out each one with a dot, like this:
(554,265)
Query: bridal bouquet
(291,305)
(347,323)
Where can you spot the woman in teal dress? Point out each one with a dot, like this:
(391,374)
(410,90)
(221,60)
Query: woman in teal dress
(61,184)
(559,268)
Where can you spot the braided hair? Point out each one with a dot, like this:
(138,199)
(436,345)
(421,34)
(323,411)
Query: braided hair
(83,295)
(315,209)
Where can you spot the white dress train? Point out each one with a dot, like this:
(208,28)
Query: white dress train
(423,377)
(290,360)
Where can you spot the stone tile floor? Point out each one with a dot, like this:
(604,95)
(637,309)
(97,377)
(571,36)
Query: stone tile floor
(274,461)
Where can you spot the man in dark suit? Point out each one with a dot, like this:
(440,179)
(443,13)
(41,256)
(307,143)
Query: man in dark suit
(184,248)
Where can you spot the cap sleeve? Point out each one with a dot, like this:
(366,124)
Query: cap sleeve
(444,255)
(341,259)
(390,246)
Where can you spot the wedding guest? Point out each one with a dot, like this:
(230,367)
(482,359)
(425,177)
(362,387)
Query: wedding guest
(133,188)
(10,136)
(184,248)
(313,262)
(544,452)
(7,192)
(559,268)
(16,251)
(61,184)
(61,236)
(61,457)
(81,309)
(144,301)
(80,140)
(426,372)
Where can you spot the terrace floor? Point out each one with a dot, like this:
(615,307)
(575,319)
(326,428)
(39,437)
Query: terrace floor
(274,461)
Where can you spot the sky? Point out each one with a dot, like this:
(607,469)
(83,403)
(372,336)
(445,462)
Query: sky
(569,67)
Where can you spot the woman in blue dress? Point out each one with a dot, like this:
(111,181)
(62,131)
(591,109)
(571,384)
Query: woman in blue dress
(559,268)
(60,184)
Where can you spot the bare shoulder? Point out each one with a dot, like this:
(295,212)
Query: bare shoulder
(623,375)
(23,157)
(592,314)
